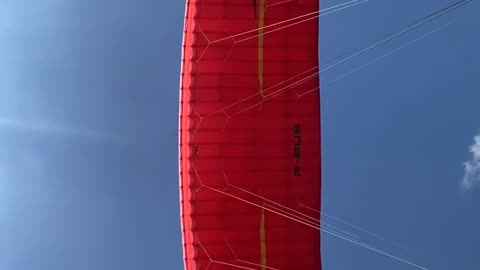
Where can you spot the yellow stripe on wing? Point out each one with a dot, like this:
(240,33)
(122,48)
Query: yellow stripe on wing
(261,24)
(263,244)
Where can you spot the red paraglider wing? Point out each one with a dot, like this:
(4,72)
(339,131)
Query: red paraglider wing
(250,135)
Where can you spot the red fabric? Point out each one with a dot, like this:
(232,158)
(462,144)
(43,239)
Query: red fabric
(250,135)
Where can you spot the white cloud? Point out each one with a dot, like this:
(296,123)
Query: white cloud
(62,130)
(472,167)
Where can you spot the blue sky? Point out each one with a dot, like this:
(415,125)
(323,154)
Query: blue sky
(88,135)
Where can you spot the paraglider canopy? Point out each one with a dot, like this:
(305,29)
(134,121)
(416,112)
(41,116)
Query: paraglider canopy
(250,135)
